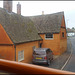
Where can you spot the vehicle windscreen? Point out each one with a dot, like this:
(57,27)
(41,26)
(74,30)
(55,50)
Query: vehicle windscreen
(39,52)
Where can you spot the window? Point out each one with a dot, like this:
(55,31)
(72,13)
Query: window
(20,55)
(34,47)
(62,34)
(49,35)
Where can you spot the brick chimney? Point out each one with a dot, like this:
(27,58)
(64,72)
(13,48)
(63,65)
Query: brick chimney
(19,8)
(7,5)
(42,12)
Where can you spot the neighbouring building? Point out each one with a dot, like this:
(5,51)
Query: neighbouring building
(18,37)
(52,30)
(70,32)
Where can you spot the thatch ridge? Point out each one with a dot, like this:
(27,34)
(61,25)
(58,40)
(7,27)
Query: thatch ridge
(50,23)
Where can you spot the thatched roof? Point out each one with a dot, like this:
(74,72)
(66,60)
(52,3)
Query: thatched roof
(50,23)
(20,29)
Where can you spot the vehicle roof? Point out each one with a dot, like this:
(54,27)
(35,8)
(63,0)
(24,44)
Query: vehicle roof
(41,49)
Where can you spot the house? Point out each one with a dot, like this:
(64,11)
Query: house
(52,29)
(18,37)
(70,32)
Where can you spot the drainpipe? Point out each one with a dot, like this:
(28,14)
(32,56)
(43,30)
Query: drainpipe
(15,51)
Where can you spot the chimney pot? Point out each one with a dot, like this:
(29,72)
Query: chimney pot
(19,8)
(7,5)
(42,12)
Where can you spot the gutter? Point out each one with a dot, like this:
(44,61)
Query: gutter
(28,41)
(50,32)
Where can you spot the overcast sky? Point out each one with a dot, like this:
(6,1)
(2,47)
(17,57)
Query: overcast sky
(30,8)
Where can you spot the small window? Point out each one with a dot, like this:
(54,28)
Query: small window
(49,35)
(20,55)
(62,34)
(34,47)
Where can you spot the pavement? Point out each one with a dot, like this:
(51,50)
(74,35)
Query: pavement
(60,61)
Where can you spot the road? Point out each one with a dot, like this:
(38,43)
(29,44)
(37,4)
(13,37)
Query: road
(71,64)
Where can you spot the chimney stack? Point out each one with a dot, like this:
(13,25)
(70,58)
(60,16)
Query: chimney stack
(42,12)
(19,8)
(7,5)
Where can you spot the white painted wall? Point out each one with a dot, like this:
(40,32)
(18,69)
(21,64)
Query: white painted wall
(70,34)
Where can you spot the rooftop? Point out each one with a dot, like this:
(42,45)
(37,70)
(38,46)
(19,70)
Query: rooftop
(50,23)
(20,29)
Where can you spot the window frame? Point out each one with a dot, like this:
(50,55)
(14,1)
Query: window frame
(49,38)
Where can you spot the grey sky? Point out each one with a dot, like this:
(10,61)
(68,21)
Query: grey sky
(30,8)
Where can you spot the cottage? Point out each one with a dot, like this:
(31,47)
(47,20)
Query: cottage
(18,37)
(52,30)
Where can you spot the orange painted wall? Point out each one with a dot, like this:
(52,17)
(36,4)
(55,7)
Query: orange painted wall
(28,50)
(4,38)
(63,40)
(58,44)
(7,52)
(53,44)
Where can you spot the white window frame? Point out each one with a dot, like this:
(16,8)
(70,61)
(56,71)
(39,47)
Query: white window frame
(21,55)
(49,38)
